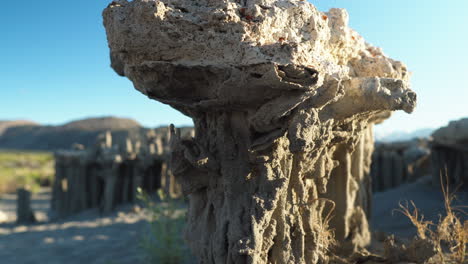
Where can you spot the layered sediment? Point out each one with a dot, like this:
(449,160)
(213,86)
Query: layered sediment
(283,99)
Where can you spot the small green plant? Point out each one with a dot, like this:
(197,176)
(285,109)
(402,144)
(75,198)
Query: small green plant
(163,244)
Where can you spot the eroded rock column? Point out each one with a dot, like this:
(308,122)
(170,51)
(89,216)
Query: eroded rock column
(397,163)
(24,212)
(109,174)
(449,154)
(283,99)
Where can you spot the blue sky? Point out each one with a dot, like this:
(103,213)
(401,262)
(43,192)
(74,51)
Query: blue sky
(55,65)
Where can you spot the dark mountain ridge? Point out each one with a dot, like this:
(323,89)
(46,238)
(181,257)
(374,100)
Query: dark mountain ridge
(25,135)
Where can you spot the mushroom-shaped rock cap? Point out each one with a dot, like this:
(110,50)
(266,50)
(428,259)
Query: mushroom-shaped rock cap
(197,55)
(283,98)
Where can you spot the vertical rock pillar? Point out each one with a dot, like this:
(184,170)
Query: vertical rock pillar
(24,212)
(283,99)
(449,151)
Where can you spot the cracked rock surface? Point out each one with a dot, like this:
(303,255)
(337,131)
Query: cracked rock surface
(283,99)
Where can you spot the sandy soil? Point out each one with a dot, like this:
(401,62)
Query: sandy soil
(91,238)
(84,238)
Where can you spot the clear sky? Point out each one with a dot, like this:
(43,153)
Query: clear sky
(55,65)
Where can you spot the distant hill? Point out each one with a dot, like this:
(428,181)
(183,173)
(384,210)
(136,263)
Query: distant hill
(25,135)
(103,123)
(403,136)
(4,125)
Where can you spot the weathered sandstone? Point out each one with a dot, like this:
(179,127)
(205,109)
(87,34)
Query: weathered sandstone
(283,99)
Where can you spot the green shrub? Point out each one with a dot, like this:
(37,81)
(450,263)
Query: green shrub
(163,244)
(25,169)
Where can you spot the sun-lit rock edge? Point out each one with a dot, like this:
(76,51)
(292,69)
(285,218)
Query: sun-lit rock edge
(283,98)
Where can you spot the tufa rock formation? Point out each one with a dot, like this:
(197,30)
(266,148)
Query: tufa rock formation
(397,163)
(107,175)
(449,150)
(24,212)
(283,98)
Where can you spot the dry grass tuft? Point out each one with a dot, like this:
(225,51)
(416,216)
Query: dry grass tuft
(422,226)
(326,235)
(450,234)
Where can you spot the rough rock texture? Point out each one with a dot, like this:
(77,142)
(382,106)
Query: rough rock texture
(415,251)
(450,153)
(283,99)
(107,174)
(399,163)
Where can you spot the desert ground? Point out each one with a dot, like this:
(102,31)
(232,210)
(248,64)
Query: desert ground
(93,238)
(428,199)
(84,238)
